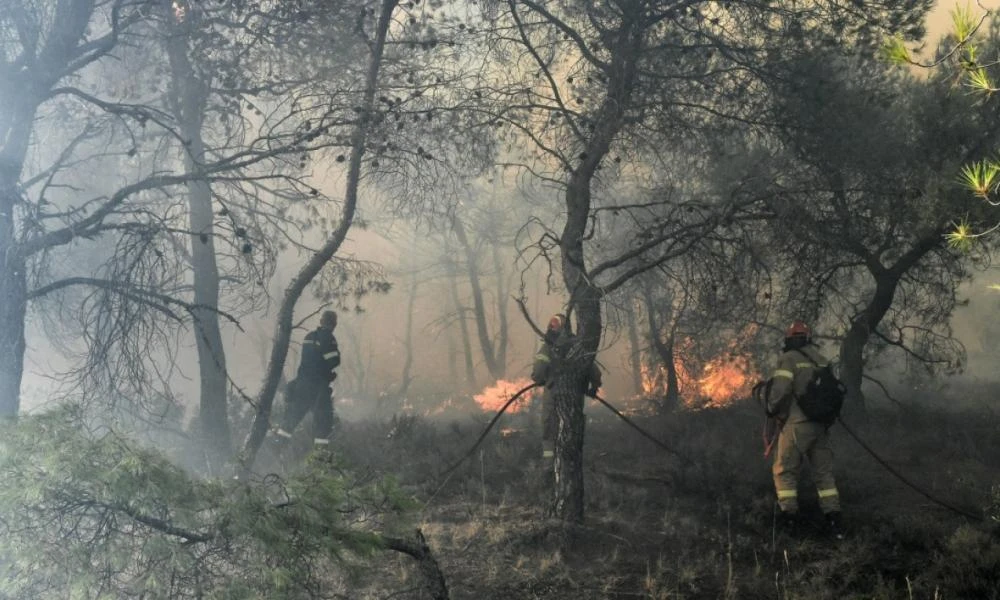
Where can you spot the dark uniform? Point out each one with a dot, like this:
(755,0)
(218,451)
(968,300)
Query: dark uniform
(310,390)
(541,372)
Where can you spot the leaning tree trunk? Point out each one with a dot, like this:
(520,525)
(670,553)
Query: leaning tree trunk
(852,363)
(191,97)
(864,324)
(319,259)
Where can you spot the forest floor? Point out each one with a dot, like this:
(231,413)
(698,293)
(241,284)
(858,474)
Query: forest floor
(656,528)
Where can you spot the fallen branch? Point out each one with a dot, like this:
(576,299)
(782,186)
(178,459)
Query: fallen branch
(417,548)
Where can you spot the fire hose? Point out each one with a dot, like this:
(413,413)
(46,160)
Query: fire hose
(759,392)
(447,473)
(909,483)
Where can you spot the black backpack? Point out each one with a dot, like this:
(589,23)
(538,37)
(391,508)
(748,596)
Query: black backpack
(824,395)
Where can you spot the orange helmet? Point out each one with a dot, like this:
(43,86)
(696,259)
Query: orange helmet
(798,329)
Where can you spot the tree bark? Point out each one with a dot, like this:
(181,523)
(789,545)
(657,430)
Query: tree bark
(503,335)
(417,548)
(634,351)
(568,489)
(479,307)
(189,104)
(584,295)
(852,363)
(470,367)
(13,310)
(404,384)
(887,280)
(664,351)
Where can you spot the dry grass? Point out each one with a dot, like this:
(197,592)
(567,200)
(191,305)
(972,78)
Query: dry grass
(657,530)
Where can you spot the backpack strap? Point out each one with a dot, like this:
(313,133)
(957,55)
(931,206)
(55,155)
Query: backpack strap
(809,358)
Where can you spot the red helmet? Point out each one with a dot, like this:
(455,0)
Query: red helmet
(798,329)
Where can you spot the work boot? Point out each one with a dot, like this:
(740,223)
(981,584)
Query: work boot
(835,525)
(789,523)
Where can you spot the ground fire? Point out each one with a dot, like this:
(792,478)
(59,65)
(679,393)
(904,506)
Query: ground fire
(724,380)
(717,383)
(494,397)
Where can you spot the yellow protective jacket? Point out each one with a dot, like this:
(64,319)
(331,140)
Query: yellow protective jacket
(789,382)
(542,367)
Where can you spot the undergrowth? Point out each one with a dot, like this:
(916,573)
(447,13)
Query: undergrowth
(656,528)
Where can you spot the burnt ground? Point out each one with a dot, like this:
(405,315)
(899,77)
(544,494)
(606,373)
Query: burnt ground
(657,528)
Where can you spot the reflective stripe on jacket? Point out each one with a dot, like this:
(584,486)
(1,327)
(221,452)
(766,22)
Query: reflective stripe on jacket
(789,381)
(320,356)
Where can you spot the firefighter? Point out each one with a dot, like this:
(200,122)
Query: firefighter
(801,438)
(311,388)
(558,338)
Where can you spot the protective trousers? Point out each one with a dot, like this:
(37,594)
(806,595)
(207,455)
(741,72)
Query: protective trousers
(811,441)
(550,424)
(304,395)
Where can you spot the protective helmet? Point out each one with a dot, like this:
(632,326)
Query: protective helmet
(798,329)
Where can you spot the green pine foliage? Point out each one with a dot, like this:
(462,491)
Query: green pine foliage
(89,513)
(970,53)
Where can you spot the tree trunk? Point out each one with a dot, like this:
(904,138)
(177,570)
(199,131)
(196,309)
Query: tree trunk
(479,307)
(502,304)
(634,351)
(17,114)
(191,97)
(664,351)
(283,326)
(452,358)
(13,310)
(584,295)
(852,350)
(864,324)
(434,582)
(568,492)
(470,367)
(408,342)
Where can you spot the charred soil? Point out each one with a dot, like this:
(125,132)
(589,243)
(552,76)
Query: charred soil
(657,528)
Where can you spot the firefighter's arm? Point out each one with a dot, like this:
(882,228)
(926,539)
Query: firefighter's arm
(331,356)
(782,388)
(540,369)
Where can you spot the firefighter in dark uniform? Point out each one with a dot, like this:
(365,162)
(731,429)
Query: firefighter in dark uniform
(310,390)
(558,333)
(800,438)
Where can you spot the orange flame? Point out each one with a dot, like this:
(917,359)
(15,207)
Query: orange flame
(722,381)
(494,397)
(725,380)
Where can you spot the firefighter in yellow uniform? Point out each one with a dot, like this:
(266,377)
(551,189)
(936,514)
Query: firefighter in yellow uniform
(541,372)
(801,438)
